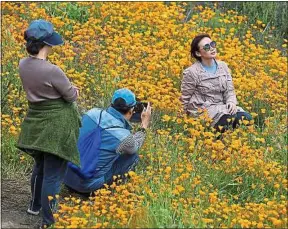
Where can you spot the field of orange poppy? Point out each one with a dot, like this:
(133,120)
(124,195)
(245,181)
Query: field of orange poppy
(187,176)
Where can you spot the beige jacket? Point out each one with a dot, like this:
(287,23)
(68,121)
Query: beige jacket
(203,90)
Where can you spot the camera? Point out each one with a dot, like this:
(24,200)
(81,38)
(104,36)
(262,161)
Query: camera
(138,108)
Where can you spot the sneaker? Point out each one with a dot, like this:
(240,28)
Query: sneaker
(29,211)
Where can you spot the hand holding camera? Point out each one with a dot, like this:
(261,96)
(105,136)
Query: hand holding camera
(142,113)
(146,116)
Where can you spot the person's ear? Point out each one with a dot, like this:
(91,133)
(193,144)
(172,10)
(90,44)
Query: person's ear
(198,54)
(131,111)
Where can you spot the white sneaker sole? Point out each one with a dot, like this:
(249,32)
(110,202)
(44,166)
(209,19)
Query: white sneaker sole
(29,211)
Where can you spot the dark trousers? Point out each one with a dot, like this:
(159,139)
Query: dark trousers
(47,175)
(228,121)
(124,164)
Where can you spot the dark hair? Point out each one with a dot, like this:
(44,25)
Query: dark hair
(195,45)
(33,46)
(120,105)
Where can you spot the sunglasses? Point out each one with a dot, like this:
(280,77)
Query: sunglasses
(207,47)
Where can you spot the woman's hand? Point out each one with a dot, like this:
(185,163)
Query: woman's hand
(77,90)
(146,116)
(232,108)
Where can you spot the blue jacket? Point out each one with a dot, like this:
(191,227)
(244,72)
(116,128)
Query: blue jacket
(115,129)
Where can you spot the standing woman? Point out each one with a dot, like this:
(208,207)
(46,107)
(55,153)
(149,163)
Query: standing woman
(207,84)
(50,130)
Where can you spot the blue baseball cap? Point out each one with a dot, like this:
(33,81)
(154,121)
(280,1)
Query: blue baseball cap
(124,98)
(41,30)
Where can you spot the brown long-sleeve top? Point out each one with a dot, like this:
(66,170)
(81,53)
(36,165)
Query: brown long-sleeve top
(43,80)
(203,90)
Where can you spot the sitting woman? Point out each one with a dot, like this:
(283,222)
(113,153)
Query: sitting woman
(207,84)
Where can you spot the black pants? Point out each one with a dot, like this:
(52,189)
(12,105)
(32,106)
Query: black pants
(233,121)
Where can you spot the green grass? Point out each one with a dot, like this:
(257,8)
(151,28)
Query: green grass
(11,165)
(272,14)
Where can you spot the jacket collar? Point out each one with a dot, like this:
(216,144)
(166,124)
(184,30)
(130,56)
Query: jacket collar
(116,114)
(201,68)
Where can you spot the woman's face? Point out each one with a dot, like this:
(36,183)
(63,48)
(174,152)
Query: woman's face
(207,49)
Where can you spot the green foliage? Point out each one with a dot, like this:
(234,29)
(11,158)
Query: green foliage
(15,164)
(73,10)
(270,13)
(77,13)
(174,143)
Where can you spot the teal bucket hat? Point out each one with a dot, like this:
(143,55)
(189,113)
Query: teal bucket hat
(41,30)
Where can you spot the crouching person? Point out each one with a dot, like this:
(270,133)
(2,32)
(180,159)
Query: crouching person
(106,145)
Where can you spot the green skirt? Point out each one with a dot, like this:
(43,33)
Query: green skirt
(53,127)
